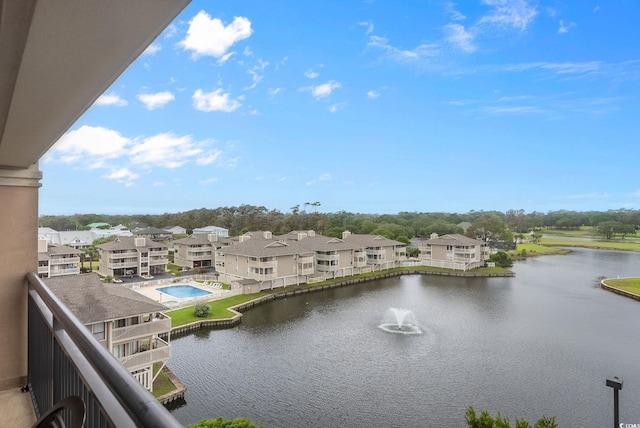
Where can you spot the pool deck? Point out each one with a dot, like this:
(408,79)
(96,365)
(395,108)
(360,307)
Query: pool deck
(151,291)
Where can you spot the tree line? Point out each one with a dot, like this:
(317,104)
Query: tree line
(487,225)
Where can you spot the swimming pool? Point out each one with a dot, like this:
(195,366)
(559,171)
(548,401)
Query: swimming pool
(182,291)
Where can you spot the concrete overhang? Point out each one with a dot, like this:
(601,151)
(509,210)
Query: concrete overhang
(58,56)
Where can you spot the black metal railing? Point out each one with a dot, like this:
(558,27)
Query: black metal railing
(64,359)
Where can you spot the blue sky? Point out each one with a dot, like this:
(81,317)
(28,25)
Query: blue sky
(366,106)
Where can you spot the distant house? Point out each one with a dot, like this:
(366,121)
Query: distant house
(153,233)
(76,238)
(453,251)
(132,256)
(57,260)
(125,322)
(176,230)
(220,231)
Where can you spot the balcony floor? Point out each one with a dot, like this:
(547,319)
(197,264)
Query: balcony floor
(16,409)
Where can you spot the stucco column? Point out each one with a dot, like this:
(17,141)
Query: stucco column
(18,255)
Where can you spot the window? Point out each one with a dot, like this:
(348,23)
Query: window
(121,323)
(98,331)
(119,350)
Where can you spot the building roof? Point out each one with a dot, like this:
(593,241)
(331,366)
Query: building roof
(58,250)
(453,239)
(151,231)
(92,300)
(129,243)
(299,242)
(200,239)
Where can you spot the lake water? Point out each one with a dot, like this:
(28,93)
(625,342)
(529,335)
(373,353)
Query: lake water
(542,343)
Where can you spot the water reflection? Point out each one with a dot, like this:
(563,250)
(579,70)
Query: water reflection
(540,343)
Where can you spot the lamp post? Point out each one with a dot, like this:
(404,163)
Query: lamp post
(616,384)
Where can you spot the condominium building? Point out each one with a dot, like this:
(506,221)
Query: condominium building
(197,251)
(57,260)
(453,251)
(304,256)
(129,256)
(131,326)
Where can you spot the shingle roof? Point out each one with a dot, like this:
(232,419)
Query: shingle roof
(453,239)
(290,244)
(128,243)
(92,300)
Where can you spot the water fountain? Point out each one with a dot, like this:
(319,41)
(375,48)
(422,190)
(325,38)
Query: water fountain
(399,320)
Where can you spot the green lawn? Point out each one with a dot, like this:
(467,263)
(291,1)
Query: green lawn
(629,245)
(162,385)
(219,309)
(631,285)
(537,249)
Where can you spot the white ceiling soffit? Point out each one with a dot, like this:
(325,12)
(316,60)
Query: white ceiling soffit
(58,56)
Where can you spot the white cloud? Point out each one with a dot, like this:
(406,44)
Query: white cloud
(152,49)
(311,74)
(372,95)
(335,107)
(274,91)
(153,101)
(170,31)
(92,142)
(209,157)
(96,148)
(111,99)
(509,13)
(165,150)
(565,28)
(368,25)
(323,90)
(458,36)
(214,101)
(122,175)
(255,73)
(225,57)
(247,51)
(450,8)
(420,52)
(209,181)
(208,36)
(324,177)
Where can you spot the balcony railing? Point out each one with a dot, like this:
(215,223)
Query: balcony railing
(263,264)
(64,260)
(64,359)
(327,257)
(127,255)
(161,352)
(158,325)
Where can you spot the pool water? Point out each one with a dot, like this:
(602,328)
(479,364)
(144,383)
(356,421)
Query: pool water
(182,291)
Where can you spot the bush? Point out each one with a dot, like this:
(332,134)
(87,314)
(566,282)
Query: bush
(484,420)
(224,423)
(202,310)
(501,259)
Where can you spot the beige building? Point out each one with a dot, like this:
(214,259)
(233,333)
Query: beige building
(129,256)
(453,252)
(125,322)
(197,251)
(304,256)
(57,260)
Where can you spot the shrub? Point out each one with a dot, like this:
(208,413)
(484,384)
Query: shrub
(202,310)
(224,423)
